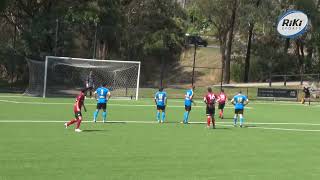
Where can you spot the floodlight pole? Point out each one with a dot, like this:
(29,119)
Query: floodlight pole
(194,62)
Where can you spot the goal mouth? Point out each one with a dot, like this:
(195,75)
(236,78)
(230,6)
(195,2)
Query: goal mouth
(66,76)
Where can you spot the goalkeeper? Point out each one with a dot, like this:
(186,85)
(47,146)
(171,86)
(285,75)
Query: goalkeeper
(102,94)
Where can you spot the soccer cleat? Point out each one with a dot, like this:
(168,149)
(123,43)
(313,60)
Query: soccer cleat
(94,121)
(78,130)
(162,122)
(241,125)
(235,125)
(66,125)
(103,121)
(208,127)
(213,127)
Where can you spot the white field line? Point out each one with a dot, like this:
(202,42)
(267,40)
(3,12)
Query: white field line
(154,122)
(94,104)
(285,129)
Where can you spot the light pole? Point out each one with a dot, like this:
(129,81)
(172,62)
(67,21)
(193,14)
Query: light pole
(194,62)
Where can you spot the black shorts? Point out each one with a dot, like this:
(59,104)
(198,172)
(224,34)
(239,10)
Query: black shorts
(221,106)
(307,96)
(162,108)
(210,111)
(77,114)
(187,108)
(238,111)
(102,106)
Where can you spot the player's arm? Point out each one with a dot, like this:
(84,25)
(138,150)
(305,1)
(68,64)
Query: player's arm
(95,95)
(205,100)
(246,101)
(84,108)
(155,99)
(108,96)
(232,101)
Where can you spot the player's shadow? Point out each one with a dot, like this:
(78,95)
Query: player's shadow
(250,126)
(93,130)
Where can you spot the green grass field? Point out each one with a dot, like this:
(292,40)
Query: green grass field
(281,141)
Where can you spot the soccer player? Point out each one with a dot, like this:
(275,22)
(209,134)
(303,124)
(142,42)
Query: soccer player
(239,101)
(77,111)
(102,94)
(90,84)
(210,100)
(222,99)
(161,100)
(307,95)
(187,104)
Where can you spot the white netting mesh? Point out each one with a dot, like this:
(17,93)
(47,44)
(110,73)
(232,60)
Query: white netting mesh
(66,76)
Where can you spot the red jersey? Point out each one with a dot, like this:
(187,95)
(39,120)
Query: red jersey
(210,99)
(222,98)
(79,102)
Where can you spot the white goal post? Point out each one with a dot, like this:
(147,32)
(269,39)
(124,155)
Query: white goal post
(65,76)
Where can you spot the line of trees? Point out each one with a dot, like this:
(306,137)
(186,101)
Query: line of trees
(249,44)
(153,31)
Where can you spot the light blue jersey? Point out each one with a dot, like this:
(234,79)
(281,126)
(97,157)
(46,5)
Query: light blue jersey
(102,93)
(188,97)
(239,101)
(160,98)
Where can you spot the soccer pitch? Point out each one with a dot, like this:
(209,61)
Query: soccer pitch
(281,141)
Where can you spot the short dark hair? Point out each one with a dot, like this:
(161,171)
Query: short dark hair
(222,90)
(161,89)
(104,84)
(240,92)
(209,89)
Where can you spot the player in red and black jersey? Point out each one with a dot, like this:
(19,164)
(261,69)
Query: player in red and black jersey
(210,100)
(222,99)
(77,111)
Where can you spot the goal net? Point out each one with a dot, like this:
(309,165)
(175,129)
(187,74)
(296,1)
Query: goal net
(65,76)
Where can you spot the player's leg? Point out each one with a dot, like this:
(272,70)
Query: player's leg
(241,118)
(163,115)
(212,113)
(186,114)
(158,114)
(104,113)
(79,120)
(213,121)
(235,117)
(96,113)
(72,121)
(221,110)
(208,117)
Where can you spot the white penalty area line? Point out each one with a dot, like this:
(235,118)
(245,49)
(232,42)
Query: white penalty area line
(91,104)
(155,122)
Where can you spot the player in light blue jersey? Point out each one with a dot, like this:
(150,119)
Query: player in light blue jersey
(187,104)
(102,94)
(239,101)
(161,100)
